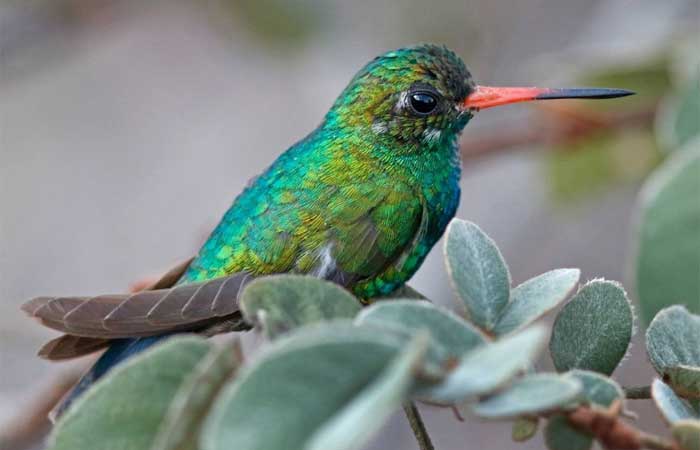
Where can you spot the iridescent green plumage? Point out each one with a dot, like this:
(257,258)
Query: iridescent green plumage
(364,197)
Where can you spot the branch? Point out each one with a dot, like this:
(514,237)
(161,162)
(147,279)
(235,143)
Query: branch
(637,392)
(614,434)
(418,427)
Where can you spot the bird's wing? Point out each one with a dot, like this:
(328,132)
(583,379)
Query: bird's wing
(144,313)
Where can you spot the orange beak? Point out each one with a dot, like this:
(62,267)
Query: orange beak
(488,96)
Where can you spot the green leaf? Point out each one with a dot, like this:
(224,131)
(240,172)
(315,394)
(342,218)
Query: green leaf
(668,247)
(369,410)
(488,367)
(281,303)
(685,380)
(597,389)
(532,394)
(673,346)
(535,297)
(687,434)
(525,428)
(560,435)
(451,335)
(297,385)
(478,272)
(125,409)
(678,120)
(593,330)
(180,427)
(671,407)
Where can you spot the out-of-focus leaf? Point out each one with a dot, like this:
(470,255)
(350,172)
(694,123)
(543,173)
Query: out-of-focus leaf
(671,407)
(687,434)
(525,428)
(560,435)
(678,120)
(284,302)
(532,394)
(488,367)
(593,330)
(595,162)
(597,389)
(668,249)
(180,427)
(297,385)
(451,335)
(478,272)
(535,297)
(373,406)
(125,409)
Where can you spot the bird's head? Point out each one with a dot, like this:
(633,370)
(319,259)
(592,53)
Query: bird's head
(417,99)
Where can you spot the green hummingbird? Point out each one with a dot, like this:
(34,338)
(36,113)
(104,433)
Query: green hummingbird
(359,201)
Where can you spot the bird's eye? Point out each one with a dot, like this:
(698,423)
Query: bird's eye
(423,102)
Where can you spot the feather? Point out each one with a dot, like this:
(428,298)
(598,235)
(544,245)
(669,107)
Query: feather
(145,313)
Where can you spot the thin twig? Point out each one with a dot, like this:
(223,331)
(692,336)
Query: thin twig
(418,427)
(637,392)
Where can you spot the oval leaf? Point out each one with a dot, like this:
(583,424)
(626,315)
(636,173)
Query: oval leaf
(668,248)
(535,297)
(478,272)
(451,335)
(292,390)
(560,435)
(685,380)
(180,427)
(281,303)
(532,394)
(126,408)
(488,367)
(673,340)
(593,330)
(671,407)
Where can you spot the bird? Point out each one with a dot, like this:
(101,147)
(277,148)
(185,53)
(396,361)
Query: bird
(359,201)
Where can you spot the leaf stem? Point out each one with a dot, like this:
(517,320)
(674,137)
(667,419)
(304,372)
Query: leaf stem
(637,392)
(418,427)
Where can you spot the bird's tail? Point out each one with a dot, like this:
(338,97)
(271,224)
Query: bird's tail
(119,350)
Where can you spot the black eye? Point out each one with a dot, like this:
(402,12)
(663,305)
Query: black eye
(423,102)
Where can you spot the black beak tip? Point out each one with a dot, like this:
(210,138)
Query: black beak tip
(592,93)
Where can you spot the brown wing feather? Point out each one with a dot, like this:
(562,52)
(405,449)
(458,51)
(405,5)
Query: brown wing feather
(144,313)
(67,347)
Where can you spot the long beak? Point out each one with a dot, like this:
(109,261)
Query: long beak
(488,96)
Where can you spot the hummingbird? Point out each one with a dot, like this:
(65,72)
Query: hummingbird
(359,201)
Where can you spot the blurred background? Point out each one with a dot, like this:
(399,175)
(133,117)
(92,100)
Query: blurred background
(128,127)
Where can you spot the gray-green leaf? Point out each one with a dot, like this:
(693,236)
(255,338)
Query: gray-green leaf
(597,389)
(488,367)
(451,335)
(671,407)
(296,386)
(560,435)
(281,303)
(535,297)
(373,406)
(532,394)
(593,330)
(180,427)
(673,339)
(478,272)
(125,409)
(668,247)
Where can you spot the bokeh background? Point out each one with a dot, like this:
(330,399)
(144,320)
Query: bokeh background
(127,128)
